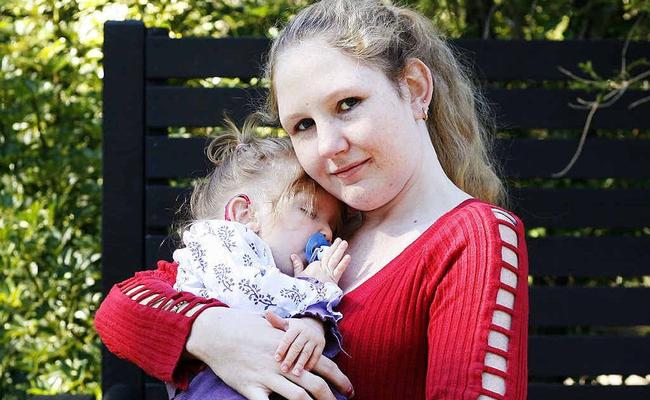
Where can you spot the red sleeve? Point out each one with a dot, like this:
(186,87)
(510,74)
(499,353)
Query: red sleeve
(151,335)
(478,326)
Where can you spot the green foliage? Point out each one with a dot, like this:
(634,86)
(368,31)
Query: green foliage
(50,158)
(50,150)
(50,201)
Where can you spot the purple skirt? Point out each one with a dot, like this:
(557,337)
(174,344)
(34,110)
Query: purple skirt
(208,386)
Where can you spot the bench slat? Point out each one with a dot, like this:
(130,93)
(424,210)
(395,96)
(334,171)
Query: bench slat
(578,207)
(536,391)
(562,208)
(522,158)
(198,107)
(588,355)
(545,391)
(607,256)
(515,108)
(594,306)
(534,60)
(600,158)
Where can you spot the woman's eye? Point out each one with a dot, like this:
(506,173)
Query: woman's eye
(304,124)
(347,104)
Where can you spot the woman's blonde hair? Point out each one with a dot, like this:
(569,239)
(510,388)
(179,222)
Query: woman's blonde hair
(246,163)
(385,37)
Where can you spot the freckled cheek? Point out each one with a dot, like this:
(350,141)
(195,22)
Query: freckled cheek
(311,163)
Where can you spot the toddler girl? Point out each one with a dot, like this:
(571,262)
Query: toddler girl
(245,246)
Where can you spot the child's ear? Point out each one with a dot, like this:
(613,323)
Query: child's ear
(239,210)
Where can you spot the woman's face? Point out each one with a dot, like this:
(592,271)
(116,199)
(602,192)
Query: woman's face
(351,130)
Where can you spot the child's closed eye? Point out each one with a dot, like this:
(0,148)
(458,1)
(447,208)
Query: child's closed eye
(310,214)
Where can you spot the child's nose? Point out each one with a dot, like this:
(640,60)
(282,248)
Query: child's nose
(327,231)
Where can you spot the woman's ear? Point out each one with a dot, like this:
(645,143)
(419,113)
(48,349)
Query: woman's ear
(418,80)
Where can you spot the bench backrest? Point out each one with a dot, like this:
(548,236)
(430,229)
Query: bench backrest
(588,232)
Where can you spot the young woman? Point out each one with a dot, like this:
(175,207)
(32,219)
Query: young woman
(383,117)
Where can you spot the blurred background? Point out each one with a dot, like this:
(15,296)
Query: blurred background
(50,148)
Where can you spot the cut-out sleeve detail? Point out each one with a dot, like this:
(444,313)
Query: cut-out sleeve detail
(478,322)
(145,321)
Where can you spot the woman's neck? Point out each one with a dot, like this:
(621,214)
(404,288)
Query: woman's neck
(427,195)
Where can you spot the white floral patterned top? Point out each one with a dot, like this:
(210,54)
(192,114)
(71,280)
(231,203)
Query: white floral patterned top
(227,261)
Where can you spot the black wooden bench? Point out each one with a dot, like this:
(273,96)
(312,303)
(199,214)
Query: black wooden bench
(582,318)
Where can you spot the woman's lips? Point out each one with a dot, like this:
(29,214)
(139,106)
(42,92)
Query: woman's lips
(350,170)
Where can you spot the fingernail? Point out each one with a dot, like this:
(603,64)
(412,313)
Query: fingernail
(296,372)
(277,357)
(350,392)
(284,368)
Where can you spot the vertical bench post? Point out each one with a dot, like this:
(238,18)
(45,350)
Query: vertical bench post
(123,189)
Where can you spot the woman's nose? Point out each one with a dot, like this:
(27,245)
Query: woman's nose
(331,140)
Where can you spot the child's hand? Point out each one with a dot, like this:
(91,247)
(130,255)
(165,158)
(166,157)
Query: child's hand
(304,341)
(332,266)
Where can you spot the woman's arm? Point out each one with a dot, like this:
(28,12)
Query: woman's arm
(134,323)
(478,326)
(147,322)
(243,356)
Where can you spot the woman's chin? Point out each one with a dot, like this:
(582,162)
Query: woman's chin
(366,199)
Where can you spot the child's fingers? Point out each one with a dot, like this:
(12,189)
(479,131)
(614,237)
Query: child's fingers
(298,266)
(305,355)
(295,349)
(337,255)
(285,342)
(329,251)
(276,321)
(315,355)
(341,267)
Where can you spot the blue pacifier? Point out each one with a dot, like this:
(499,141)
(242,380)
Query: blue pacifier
(316,244)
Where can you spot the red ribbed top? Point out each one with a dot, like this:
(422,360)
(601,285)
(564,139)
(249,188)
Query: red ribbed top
(419,327)
(446,319)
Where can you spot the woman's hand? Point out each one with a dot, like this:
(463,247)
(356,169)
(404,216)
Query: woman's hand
(240,347)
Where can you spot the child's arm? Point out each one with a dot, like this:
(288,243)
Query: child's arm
(304,340)
(302,343)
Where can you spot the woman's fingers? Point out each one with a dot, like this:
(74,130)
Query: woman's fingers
(305,355)
(286,341)
(315,385)
(254,393)
(287,389)
(294,351)
(276,321)
(327,369)
(238,346)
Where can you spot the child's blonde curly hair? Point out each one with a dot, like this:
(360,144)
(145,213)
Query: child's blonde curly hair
(264,168)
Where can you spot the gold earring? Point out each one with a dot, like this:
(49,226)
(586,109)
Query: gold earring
(426,114)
